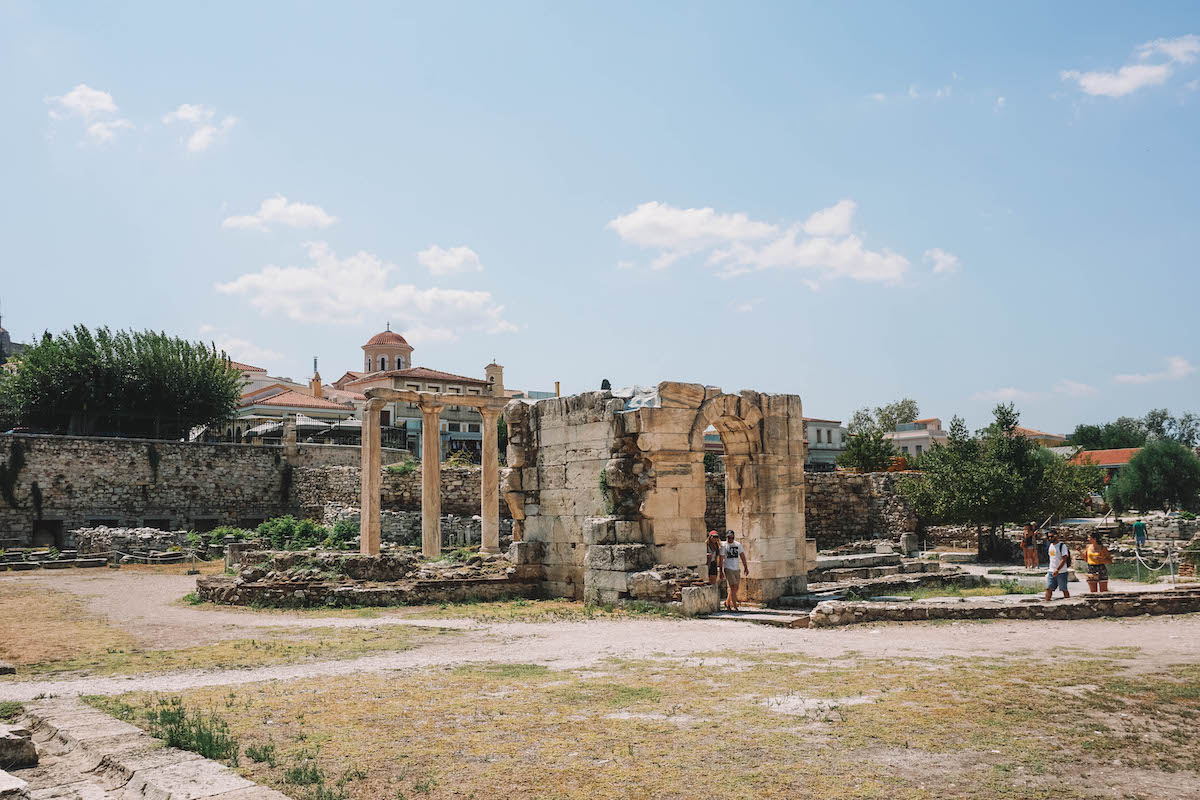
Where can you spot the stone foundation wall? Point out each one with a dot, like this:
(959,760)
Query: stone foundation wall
(70,482)
(317,486)
(840,507)
(404,527)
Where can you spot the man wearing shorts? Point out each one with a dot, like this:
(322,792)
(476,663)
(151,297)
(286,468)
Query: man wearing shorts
(1056,578)
(1139,533)
(734,566)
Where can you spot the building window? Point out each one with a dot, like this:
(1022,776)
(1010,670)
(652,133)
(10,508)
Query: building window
(472,391)
(454,427)
(434,389)
(472,427)
(918,449)
(383,362)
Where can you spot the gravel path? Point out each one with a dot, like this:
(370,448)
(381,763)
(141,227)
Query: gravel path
(147,606)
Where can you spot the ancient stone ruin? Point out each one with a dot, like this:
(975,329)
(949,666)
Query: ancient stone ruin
(605,485)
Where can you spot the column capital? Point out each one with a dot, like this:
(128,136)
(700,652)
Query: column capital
(430,406)
(374,404)
(487,412)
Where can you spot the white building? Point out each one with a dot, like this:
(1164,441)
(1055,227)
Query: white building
(916,437)
(826,441)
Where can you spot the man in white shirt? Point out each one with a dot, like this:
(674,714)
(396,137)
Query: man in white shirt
(734,566)
(1060,566)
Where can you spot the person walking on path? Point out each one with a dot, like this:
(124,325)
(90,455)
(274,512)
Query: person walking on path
(1098,558)
(1029,546)
(713,545)
(734,566)
(1139,533)
(1060,565)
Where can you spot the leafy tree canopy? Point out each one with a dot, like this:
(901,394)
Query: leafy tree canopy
(1163,474)
(868,451)
(1158,424)
(884,418)
(132,383)
(995,478)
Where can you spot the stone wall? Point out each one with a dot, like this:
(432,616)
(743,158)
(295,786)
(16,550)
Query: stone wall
(317,486)
(69,482)
(404,527)
(840,507)
(77,482)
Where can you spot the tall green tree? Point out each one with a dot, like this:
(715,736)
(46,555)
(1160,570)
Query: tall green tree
(995,478)
(139,383)
(1163,474)
(868,452)
(884,418)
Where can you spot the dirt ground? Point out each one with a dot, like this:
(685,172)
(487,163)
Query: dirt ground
(449,702)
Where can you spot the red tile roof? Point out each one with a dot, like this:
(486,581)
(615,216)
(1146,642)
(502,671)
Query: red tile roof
(386,337)
(295,399)
(826,421)
(245,367)
(927,419)
(417,373)
(1106,458)
(343,395)
(1030,432)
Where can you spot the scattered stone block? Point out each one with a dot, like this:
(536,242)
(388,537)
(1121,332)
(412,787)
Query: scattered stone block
(16,747)
(699,600)
(7,668)
(12,788)
(891,598)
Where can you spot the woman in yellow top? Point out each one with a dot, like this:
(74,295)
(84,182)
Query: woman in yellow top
(1098,558)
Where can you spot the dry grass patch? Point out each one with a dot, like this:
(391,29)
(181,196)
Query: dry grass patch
(771,726)
(40,625)
(556,610)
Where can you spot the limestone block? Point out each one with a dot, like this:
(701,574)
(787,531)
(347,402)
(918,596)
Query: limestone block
(598,432)
(599,596)
(663,441)
(565,553)
(599,530)
(551,436)
(598,557)
(678,530)
(677,475)
(12,788)
(16,747)
(619,473)
(699,600)
(628,532)
(778,549)
(682,555)
(552,477)
(661,504)
(680,395)
(606,579)
(692,501)
(526,552)
(583,474)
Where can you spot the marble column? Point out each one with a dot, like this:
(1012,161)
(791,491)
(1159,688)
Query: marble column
(431,479)
(368,525)
(489,492)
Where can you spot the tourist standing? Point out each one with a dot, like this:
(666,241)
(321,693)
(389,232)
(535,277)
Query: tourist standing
(1098,558)
(713,545)
(1029,546)
(1139,533)
(734,566)
(1060,564)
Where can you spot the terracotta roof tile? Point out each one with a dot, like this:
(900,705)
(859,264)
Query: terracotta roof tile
(1106,458)
(245,367)
(294,399)
(386,337)
(418,373)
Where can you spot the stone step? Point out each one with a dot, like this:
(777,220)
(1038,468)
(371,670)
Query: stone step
(857,560)
(764,616)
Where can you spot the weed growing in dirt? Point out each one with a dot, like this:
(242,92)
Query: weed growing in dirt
(188,729)
(10,711)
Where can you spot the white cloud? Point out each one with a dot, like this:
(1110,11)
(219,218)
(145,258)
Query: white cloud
(106,131)
(683,231)
(278,210)
(205,128)
(942,261)
(1178,368)
(1182,49)
(1126,80)
(94,107)
(822,245)
(1074,388)
(1131,77)
(238,349)
(999,104)
(352,289)
(747,306)
(624,264)
(448,262)
(832,221)
(1007,394)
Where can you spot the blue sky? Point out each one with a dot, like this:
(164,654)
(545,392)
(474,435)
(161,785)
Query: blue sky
(852,202)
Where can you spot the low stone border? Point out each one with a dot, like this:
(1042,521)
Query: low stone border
(125,758)
(300,594)
(1109,604)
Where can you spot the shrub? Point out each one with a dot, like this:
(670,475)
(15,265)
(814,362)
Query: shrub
(188,729)
(217,535)
(403,468)
(262,753)
(289,533)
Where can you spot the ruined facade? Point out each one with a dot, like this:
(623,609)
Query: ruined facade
(606,485)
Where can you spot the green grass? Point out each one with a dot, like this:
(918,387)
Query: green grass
(1125,571)
(10,711)
(993,590)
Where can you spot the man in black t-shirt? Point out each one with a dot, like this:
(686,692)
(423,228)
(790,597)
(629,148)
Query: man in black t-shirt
(734,565)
